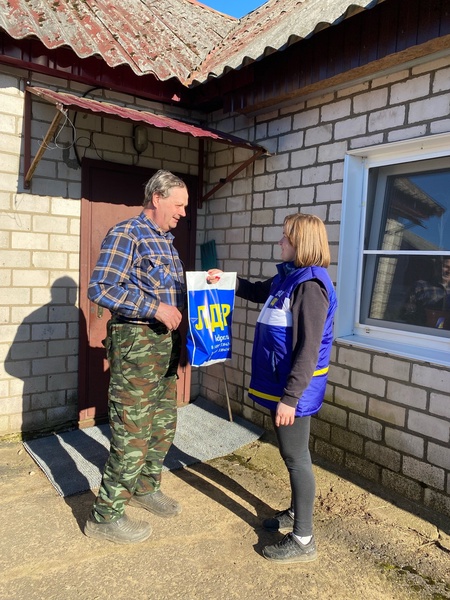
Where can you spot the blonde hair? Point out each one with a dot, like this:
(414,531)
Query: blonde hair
(308,236)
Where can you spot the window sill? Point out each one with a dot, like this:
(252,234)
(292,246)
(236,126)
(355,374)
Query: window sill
(415,353)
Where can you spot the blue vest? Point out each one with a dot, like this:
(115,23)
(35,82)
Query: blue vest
(272,347)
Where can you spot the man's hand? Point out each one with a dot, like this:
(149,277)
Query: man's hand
(169,315)
(285,415)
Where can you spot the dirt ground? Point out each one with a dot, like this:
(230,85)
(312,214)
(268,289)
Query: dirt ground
(370,545)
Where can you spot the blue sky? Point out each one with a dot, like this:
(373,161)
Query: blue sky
(235,8)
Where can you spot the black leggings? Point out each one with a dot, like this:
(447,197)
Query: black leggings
(293,442)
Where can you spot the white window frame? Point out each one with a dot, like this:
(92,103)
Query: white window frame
(350,260)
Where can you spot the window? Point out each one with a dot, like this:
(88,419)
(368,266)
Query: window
(394,290)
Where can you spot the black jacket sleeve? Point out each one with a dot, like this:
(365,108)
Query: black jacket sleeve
(309,312)
(257,292)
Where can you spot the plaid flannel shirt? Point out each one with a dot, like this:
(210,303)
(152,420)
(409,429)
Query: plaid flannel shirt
(425,295)
(138,268)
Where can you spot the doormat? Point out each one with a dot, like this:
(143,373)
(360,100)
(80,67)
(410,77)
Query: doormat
(73,461)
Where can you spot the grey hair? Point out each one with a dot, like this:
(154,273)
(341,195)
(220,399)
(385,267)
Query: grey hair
(161,183)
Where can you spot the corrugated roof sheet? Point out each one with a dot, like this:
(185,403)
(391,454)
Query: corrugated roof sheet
(168,38)
(171,38)
(274,26)
(63,99)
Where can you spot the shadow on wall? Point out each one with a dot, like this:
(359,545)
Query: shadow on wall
(44,356)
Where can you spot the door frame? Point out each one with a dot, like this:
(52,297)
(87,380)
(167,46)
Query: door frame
(86,414)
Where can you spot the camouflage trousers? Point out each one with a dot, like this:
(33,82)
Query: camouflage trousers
(143,363)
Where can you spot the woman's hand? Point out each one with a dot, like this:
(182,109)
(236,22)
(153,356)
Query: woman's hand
(285,415)
(213,275)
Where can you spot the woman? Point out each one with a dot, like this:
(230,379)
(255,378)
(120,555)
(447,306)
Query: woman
(291,351)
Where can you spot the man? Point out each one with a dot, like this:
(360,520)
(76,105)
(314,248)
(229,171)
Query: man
(139,278)
(428,302)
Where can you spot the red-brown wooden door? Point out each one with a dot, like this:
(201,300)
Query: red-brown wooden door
(112,193)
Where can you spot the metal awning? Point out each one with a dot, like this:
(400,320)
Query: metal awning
(64,101)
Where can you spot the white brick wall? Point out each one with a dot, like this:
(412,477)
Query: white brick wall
(385,418)
(40,248)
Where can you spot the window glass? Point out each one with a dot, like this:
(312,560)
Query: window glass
(406,266)
(415,212)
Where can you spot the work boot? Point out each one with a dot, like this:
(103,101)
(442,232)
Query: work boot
(122,531)
(289,550)
(282,522)
(157,503)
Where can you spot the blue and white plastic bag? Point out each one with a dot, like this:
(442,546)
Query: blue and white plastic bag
(210,315)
